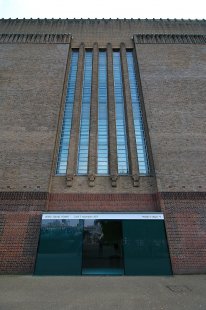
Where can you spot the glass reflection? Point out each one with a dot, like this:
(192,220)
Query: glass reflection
(60,247)
(102,247)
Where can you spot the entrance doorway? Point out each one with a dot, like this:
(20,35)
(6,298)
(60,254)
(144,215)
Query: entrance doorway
(103,244)
(102,247)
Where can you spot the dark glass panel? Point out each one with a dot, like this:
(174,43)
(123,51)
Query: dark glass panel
(60,248)
(145,248)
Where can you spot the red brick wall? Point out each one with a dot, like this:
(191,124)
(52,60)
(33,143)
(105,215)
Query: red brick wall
(23,201)
(20,217)
(103,202)
(19,234)
(185,220)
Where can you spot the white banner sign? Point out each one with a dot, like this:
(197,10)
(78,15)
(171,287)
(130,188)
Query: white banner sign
(103,216)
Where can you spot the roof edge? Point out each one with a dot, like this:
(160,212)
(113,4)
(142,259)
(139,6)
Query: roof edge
(106,20)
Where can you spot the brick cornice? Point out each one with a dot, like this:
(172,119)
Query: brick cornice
(39,38)
(169,39)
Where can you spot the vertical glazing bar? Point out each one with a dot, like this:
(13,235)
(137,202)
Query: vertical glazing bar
(138,119)
(112,120)
(122,153)
(74,136)
(103,165)
(82,167)
(67,117)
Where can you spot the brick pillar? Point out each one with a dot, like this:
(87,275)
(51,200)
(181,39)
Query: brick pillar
(93,119)
(132,149)
(112,118)
(74,135)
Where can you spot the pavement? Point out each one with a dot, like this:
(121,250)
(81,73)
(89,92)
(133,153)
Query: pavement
(105,293)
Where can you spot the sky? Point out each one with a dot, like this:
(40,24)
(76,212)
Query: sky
(103,9)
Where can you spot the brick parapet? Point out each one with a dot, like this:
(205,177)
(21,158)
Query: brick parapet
(57,24)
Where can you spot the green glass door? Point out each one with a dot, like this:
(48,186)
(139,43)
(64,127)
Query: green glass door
(102,247)
(60,247)
(145,248)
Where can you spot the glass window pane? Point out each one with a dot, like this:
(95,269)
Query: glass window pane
(82,165)
(102,115)
(66,124)
(123,167)
(137,115)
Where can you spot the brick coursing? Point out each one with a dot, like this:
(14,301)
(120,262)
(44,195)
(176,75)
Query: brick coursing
(2,224)
(103,202)
(185,220)
(32,234)
(19,242)
(20,217)
(32,77)
(23,201)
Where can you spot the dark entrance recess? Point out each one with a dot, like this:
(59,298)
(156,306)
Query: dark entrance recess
(103,244)
(102,247)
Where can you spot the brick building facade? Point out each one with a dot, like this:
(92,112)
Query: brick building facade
(170,66)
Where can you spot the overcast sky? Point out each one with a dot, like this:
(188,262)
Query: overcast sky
(103,9)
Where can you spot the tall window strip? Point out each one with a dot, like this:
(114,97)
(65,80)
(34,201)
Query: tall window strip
(67,118)
(122,153)
(82,167)
(138,120)
(102,149)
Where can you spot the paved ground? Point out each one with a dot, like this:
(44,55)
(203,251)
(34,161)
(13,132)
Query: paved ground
(106,293)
